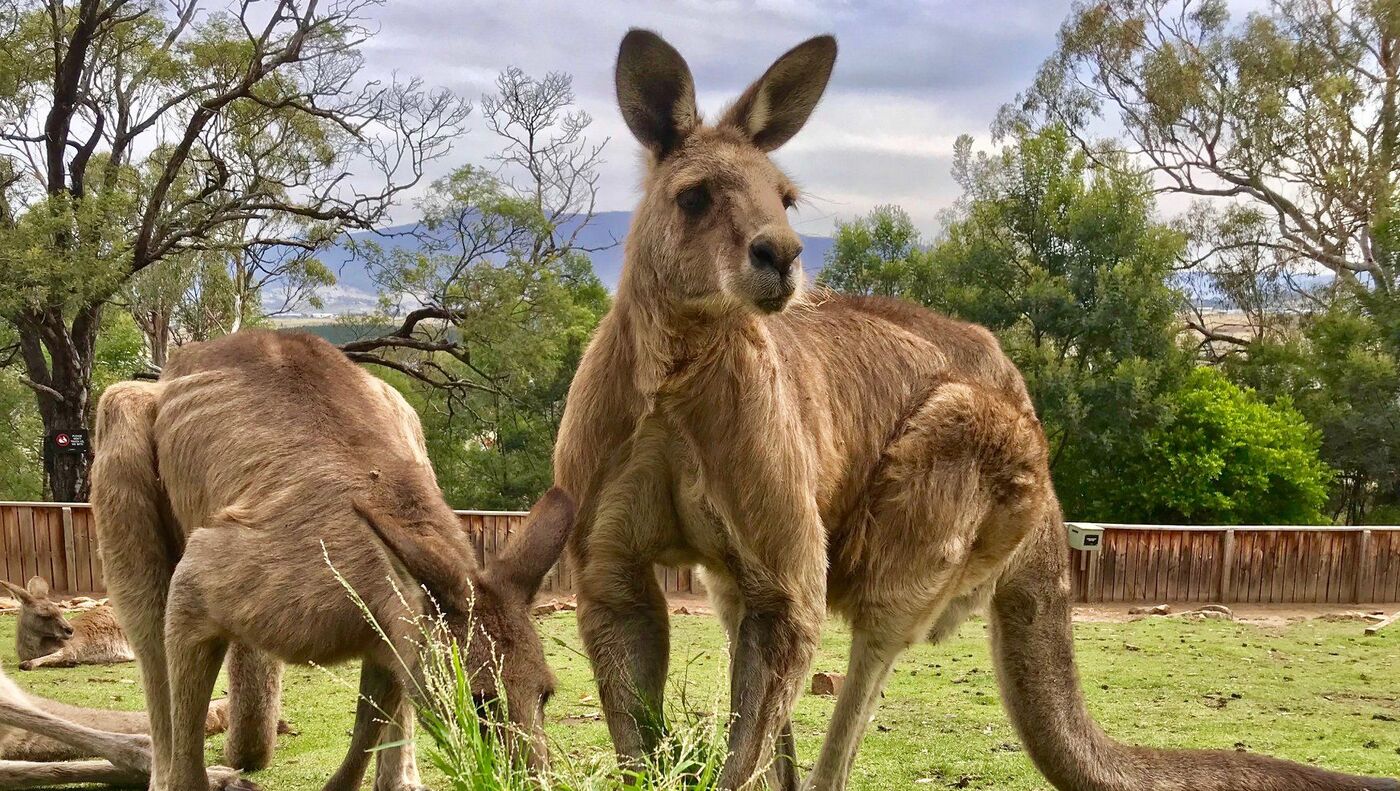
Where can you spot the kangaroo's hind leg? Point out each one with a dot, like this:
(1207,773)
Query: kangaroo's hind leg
(942,517)
(254,704)
(139,547)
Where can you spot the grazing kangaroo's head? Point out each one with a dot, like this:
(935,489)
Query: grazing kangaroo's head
(41,622)
(488,610)
(712,229)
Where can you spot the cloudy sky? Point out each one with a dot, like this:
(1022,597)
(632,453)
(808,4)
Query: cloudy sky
(909,79)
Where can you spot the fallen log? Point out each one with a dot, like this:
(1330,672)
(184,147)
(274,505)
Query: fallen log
(1372,629)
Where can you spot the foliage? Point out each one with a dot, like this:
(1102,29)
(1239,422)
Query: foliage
(880,253)
(134,133)
(1341,370)
(498,372)
(491,448)
(1292,113)
(1223,456)
(1284,128)
(493,301)
(119,354)
(1065,262)
(21,435)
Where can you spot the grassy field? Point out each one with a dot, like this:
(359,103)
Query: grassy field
(1315,691)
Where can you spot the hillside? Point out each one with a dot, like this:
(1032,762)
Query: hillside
(354,291)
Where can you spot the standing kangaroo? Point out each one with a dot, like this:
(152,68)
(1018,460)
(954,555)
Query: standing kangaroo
(811,450)
(45,638)
(255,461)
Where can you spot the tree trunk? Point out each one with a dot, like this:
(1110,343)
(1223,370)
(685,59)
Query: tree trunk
(58,365)
(159,337)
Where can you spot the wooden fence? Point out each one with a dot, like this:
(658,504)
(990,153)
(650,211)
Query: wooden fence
(1259,565)
(1136,563)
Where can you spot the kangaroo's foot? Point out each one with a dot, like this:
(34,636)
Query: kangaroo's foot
(222,778)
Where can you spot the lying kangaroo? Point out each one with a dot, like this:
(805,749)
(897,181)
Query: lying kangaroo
(45,638)
(811,450)
(257,460)
(41,741)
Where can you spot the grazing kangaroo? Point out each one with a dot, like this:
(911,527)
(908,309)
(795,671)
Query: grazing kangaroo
(41,742)
(810,450)
(255,461)
(45,638)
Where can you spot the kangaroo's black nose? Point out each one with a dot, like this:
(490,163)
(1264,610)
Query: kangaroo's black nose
(766,252)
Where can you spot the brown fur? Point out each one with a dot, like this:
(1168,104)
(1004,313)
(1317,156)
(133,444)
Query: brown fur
(41,741)
(255,460)
(45,638)
(814,450)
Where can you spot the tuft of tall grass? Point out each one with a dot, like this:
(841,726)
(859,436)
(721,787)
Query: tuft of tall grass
(470,742)
(470,739)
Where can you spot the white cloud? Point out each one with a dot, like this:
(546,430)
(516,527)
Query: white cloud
(910,78)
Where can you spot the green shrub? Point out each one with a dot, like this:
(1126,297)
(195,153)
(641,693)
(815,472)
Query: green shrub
(1224,456)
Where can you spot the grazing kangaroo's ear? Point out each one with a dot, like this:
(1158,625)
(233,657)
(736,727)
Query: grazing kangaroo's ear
(655,92)
(38,587)
(772,110)
(20,593)
(533,551)
(438,560)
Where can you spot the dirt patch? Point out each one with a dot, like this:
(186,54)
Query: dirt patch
(1255,614)
(1265,615)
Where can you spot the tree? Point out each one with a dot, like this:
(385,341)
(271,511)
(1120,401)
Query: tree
(879,253)
(492,299)
(1284,130)
(1295,114)
(203,294)
(1066,263)
(489,384)
(117,355)
(133,134)
(1342,372)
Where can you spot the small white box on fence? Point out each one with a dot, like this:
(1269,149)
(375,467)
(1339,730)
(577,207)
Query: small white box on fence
(1084,535)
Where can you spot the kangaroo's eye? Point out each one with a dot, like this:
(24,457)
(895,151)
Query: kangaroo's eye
(789,200)
(694,200)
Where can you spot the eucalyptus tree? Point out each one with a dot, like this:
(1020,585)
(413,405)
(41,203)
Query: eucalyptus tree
(133,132)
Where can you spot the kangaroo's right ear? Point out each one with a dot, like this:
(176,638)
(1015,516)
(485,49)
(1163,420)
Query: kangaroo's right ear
(20,593)
(655,92)
(38,587)
(439,561)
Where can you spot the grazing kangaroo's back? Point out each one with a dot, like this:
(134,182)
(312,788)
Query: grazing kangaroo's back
(812,449)
(46,638)
(238,423)
(269,458)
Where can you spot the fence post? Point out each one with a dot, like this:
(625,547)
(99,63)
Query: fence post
(1227,566)
(1363,565)
(68,550)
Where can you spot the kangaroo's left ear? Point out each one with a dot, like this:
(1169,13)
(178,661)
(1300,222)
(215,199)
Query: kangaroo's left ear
(772,110)
(38,587)
(534,550)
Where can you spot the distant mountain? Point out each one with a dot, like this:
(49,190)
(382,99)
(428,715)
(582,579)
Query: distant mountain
(355,292)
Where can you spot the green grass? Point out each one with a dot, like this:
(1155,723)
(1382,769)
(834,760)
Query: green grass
(1314,691)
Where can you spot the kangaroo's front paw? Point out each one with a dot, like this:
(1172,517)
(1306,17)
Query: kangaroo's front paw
(27,664)
(222,778)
